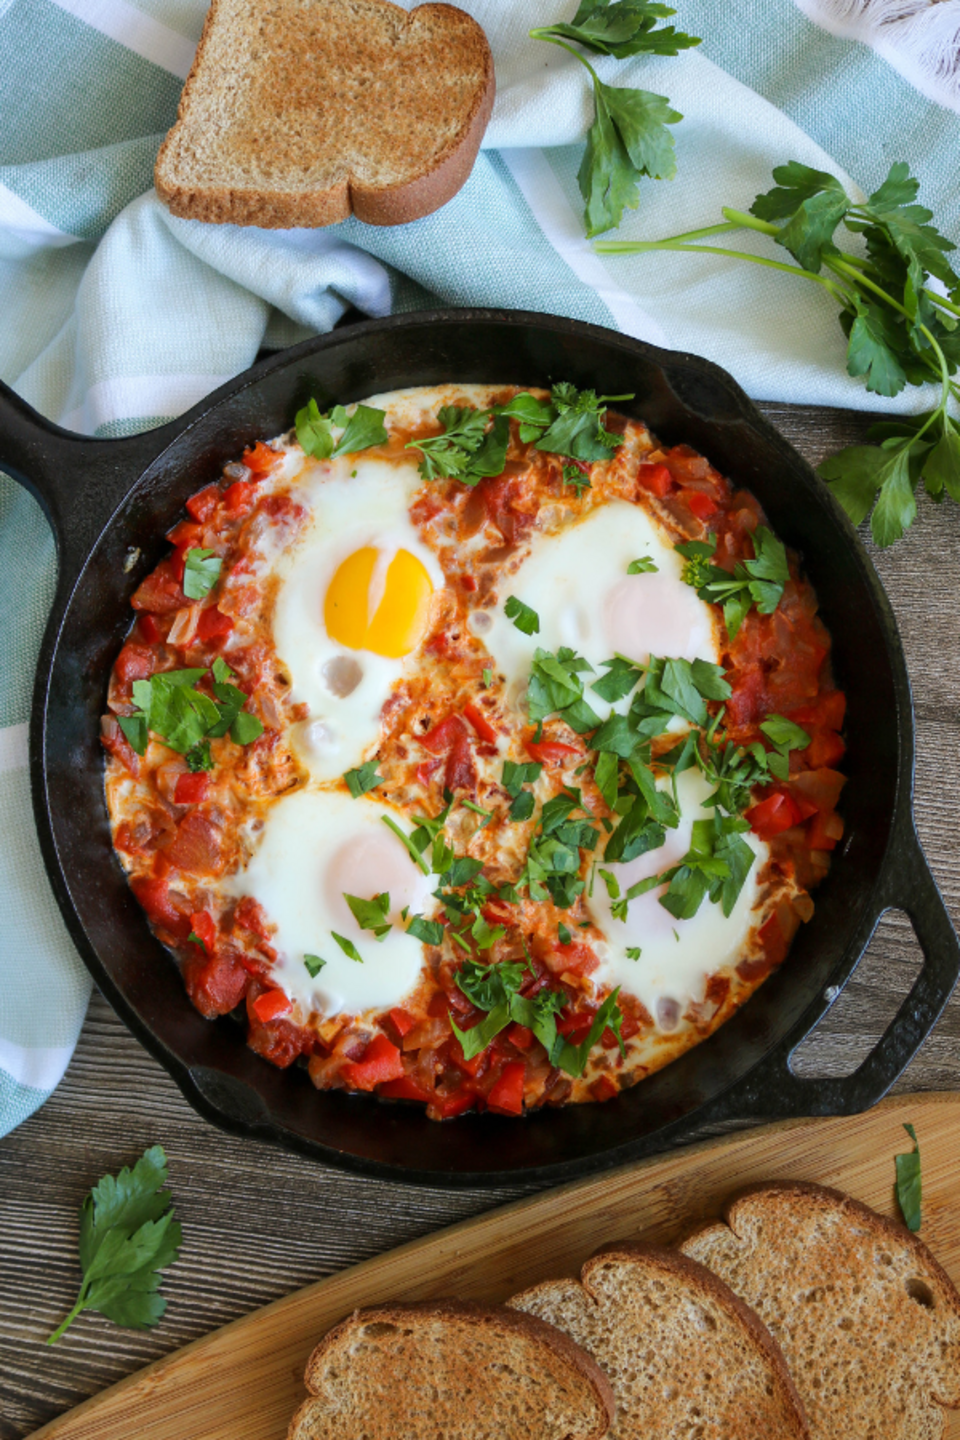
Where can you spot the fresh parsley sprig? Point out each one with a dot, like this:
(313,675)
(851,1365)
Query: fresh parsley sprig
(758,582)
(184,717)
(465,449)
(362,429)
(628,139)
(901,328)
(128,1235)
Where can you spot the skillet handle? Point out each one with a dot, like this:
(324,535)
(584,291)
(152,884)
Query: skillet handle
(78,481)
(908,885)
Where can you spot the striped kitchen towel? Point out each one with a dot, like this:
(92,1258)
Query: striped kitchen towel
(117,316)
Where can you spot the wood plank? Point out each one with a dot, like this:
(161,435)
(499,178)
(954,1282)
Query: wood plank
(244,1381)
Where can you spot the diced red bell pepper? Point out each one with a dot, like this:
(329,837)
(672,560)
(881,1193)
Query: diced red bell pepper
(603,1088)
(475,1065)
(506,1097)
(135,662)
(185,534)
(480,722)
(442,736)
(701,504)
(773,815)
(460,772)
(773,940)
(239,496)
(148,628)
(403,1021)
(405,1089)
(381,1061)
(202,505)
(445,1107)
(271,1004)
(469,583)
(201,925)
(829,710)
(825,750)
(426,770)
(520,1036)
(160,592)
(191,788)
(260,458)
(655,478)
(574,1027)
(212,623)
(550,752)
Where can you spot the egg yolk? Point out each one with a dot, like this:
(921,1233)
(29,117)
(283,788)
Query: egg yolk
(375,606)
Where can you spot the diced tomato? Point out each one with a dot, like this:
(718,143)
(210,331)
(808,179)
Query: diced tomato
(201,925)
(475,1065)
(185,535)
(250,915)
(700,503)
(442,736)
(381,1061)
(821,787)
(153,894)
(271,1004)
(405,1089)
(468,582)
(824,830)
(260,458)
(213,623)
(825,750)
(550,752)
(479,722)
(135,662)
(148,628)
(403,1022)
(202,505)
(603,1088)
(828,710)
(160,592)
(217,984)
(197,847)
(460,772)
(805,807)
(506,1097)
(178,563)
(239,496)
(655,478)
(574,1027)
(577,958)
(191,788)
(520,1036)
(773,815)
(629,1025)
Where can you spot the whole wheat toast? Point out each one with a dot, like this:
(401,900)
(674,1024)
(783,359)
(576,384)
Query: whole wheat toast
(301,112)
(685,1357)
(868,1321)
(452,1369)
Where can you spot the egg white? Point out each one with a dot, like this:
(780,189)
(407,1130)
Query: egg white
(576,580)
(676,956)
(315,845)
(354,502)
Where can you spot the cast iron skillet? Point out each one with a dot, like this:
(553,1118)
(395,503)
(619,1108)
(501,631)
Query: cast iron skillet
(110,501)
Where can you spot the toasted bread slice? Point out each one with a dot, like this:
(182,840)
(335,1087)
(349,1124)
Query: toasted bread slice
(451,1369)
(685,1357)
(302,111)
(868,1321)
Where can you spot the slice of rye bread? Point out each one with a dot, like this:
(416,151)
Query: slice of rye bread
(299,112)
(868,1321)
(685,1357)
(450,1369)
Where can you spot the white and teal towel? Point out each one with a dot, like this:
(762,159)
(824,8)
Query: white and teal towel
(115,316)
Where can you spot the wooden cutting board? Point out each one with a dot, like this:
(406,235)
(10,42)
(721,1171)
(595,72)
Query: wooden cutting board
(244,1382)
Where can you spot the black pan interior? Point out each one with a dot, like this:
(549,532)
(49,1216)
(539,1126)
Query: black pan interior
(683,399)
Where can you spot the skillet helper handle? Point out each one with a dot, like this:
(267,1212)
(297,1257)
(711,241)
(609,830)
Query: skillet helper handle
(79,481)
(908,885)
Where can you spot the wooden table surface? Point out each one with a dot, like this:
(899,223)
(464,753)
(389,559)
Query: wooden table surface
(259,1222)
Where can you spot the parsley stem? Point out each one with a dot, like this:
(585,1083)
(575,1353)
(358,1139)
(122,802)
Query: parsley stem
(740,220)
(631,247)
(80,1305)
(411,848)
(555,40)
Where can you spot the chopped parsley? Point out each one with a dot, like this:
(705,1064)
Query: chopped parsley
(362,429)
(201,571)
(465,449)
(909,1192)
(348,947)
(643,566)
(758,582)
(370,914)
(364,778)
(429,931)
(184,717)
(313,965)
(525,619)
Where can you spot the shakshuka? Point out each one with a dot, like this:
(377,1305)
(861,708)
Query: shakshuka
(474,748)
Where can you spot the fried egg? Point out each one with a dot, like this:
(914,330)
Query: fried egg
(353,603)
(576,581)
(676,956)
(317,846)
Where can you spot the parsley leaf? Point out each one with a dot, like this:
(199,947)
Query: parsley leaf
(429,931)
(136,731)
(348,947)
(370,914)
(578,429)
(573,1058)
(643,566)
(464,450)
(525,619)
(758,582)
(201,571)
(364,778)
(360,430)
(128,1234)
(555,688)
(628,138)
(313,965)
(909,1193)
